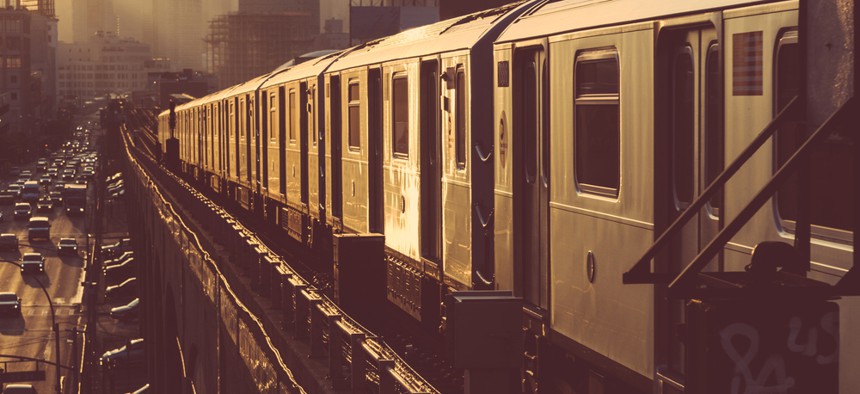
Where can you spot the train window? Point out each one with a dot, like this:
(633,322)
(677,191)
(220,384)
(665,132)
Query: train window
(831,191)
(312,120)
(290,125)
(400,119)
(713,122)
(597,146)
(273,115)
(354,117)
(683,127)
(460,112)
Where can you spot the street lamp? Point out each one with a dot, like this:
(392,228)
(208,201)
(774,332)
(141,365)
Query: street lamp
(56,326)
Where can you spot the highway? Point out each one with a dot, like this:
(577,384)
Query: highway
(30,334)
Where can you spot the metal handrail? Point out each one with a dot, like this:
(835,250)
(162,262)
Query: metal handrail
(640,273)
(684,279)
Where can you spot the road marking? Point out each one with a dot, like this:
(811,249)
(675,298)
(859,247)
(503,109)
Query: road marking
(79,294)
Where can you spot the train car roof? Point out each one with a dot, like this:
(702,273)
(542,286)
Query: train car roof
(444,36)
(307,69)
(557,17)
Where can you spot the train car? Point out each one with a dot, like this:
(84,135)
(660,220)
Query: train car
(411,115)
(611,118)
(298,205)
(540,148)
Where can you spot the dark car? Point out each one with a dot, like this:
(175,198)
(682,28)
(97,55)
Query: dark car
(19,388)
(45,204)
(10,303)
(67,246)
(22,210)
(32,262)
(127,311)
(9,242)
(117,262)
(122,292)
(114,249)
(130,352)
(56,197)
(120,272)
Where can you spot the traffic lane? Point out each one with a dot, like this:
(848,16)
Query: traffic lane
(35,339)
(62,275)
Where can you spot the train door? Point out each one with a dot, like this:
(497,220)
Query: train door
(531,179)
(336,148)
(690,96)
(431,171)
(374,144)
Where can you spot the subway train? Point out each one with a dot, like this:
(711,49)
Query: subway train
(542,148)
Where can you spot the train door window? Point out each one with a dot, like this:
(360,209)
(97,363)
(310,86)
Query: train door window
(597,146)
(831,187)
(714,143)
(354,117)
(292,111)
(282,131)
(461,119)
(683,127)
(273,111)
(312,119)
(400,116)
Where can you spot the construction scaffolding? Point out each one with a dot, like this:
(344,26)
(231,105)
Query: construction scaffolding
(243,46)
(43,7)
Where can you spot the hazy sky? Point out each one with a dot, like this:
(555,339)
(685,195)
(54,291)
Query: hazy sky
(328,9)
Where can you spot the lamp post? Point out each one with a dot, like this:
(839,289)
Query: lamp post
(56,326)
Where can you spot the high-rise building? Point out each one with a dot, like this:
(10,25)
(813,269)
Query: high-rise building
(372,19)
(179,28)
(27,71)
(258,39)
(103,65)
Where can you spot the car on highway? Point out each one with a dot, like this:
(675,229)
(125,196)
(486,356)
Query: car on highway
(67,246)
(22,210)
(56,196)
(32,261)
(126,312)
(25,174)
(122,292)
(16,188)
(7,197)
(45,180)
(45,204)
(39,227)
(9,242)
(19,388)
(53,172)
(125,354)
(10,303)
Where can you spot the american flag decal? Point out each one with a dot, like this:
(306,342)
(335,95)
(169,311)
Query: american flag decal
(747,64)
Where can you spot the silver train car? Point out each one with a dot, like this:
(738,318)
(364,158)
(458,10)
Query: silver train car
(541,148)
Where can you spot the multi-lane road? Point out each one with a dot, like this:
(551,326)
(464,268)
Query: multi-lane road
(30,334)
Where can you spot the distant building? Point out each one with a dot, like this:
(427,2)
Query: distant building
(27,68)
(452,8)
(180,26)
(372,19)
(104,64)
(187,82)
(244,45)
(333,35)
